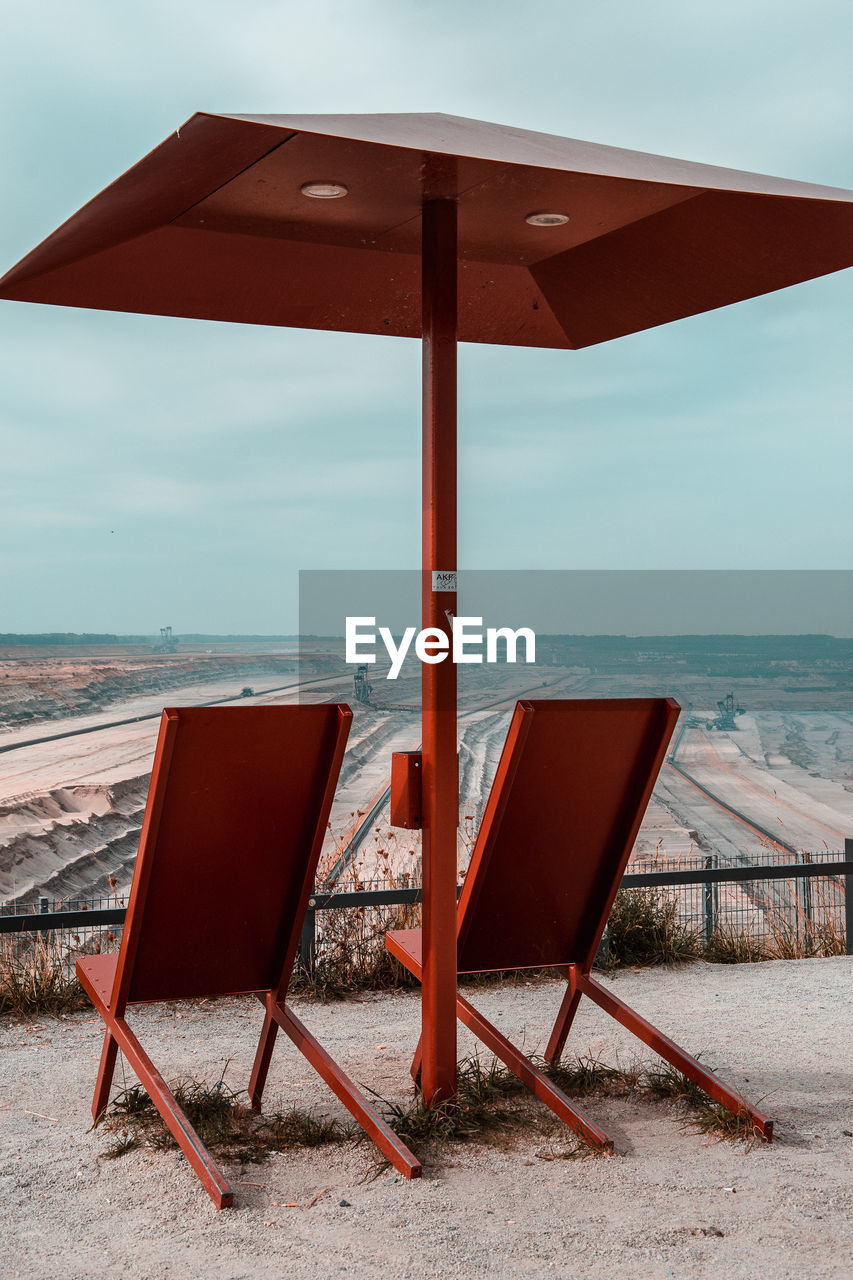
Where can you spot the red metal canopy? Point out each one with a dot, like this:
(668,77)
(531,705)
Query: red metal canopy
(213,224)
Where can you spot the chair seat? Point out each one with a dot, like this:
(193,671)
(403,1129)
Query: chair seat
(406,945)
(97,974)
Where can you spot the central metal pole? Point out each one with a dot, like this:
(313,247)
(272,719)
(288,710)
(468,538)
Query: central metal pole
(440,776)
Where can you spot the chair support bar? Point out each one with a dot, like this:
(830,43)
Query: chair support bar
(367,1116)
(119,1036)
(671,1053)
(538,1083)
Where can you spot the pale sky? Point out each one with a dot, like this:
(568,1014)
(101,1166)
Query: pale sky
(158,471)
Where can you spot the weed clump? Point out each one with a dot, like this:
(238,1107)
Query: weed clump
(479,1107)
(222,1119)
(698,1109)
(36,977)
(644,929)
(491,1101)
(803,937)
(588,1075)
(491,1104)
(728,945)
(352,956)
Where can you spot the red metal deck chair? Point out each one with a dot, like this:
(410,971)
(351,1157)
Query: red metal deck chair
(237,810)
(568,797)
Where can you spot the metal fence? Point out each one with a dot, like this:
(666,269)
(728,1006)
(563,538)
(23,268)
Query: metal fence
(52,934)
(786,900)
(791,904)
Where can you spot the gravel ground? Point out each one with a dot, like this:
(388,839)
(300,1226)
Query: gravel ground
(669,1203)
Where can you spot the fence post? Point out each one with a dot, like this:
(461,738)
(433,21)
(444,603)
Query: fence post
(308,938)
(708,901)
(43,910)
(848,899)
(807,899)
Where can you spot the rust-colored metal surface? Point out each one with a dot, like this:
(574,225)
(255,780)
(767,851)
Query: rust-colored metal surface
(571,787)
(230,835)
(213,224)
(237,810)
(570,791)
(406,801)
(440,766)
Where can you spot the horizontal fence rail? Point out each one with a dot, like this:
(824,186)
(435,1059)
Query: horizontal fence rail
(42,920)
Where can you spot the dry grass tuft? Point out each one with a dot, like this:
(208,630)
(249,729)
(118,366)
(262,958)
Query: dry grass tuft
(491,1102)
(350,950)
(479,1107)
(804,937)
(728,945)
(36,976)
(491,1105)
(351,954)
(221,1118)
(698,1109)
(589,1075)
(644,929)
(791,936)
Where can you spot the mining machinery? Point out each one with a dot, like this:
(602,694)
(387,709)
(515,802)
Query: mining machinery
(363,687)
(167,644)
(728,711)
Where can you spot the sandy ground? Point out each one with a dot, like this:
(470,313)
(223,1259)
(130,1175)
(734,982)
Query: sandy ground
(669,1203)
(39,685)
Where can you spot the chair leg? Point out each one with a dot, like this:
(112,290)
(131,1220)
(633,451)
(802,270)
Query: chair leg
(109,1053)
(263,1056)
(370,1120)
(671,1053)
(538,1083)
(565,1018)
(415,1068)
(179,1126)
(158,1091)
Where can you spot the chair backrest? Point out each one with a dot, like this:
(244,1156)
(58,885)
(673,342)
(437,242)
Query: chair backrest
(568,797)
(237,809)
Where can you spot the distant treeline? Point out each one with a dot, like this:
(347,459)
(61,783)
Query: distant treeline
(192,635)
(784,646)
(53,638)
(773,657)
(780,648)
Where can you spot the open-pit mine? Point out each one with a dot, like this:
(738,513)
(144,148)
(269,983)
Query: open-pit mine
(761,762)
